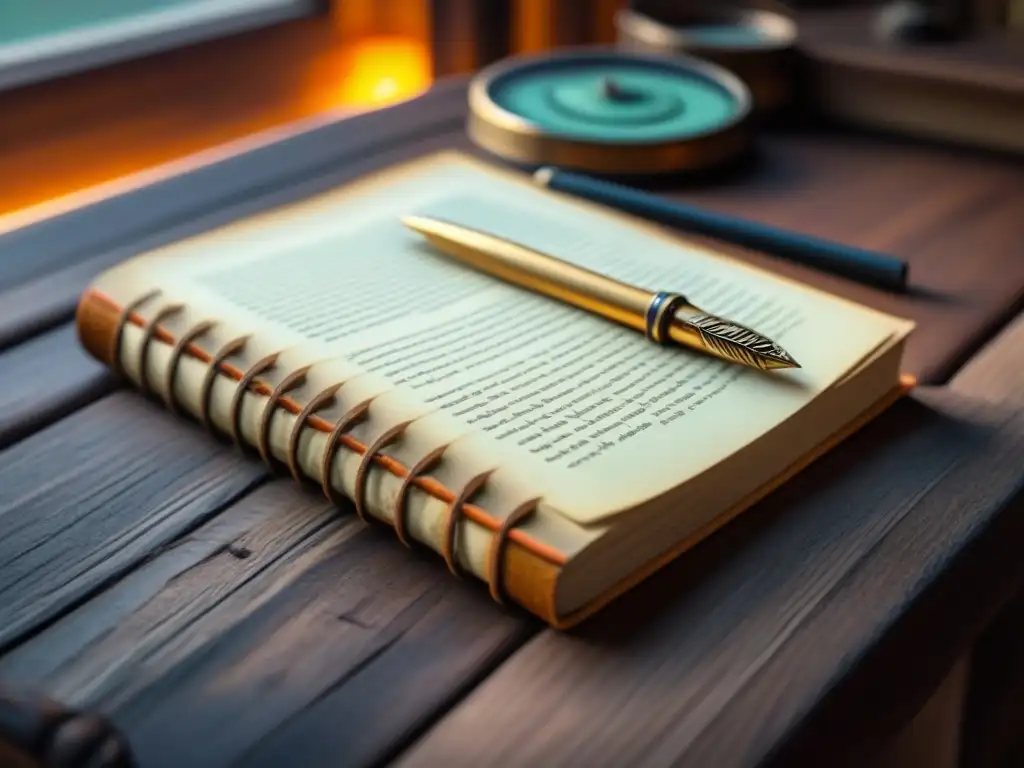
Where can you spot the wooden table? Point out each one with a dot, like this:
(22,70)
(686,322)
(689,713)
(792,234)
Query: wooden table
(220,617)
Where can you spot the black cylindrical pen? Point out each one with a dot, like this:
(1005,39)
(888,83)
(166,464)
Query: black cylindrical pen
(855,263)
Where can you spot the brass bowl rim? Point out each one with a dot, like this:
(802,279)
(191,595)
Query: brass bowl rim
(485,108)
(648,30)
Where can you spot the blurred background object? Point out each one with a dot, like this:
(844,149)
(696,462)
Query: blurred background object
(90,92)
(757,44)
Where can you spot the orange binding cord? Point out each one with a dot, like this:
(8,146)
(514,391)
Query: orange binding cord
(451,520)
(499,545)
(176,354)
(322,400)
(421,467)
(293,380)
(264,364)
(122,322)
(218,365)
(147,338)
(390,435)
(206,391)
(354,414)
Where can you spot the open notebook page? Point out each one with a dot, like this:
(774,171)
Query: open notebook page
(600,418)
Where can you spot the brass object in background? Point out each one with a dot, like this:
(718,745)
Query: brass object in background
(757,45)
(610,112)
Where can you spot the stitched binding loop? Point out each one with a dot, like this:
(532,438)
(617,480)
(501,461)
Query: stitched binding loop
(499,545)
(122,322)
(147,339)
(206,391)
(390,435)
(264,364)
(421,467)
(353,415)
(177,352)
(322,400)
(451,527)
(293,380)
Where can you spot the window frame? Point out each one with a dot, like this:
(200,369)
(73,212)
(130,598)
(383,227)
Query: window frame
(66,53)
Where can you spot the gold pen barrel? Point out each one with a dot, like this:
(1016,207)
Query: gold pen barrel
(537,272)
(662,317)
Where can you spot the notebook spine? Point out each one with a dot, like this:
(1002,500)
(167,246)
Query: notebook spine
(187,342)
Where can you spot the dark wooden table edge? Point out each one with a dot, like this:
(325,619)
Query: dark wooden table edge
(899,661)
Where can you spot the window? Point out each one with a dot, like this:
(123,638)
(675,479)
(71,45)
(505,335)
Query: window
(40,39)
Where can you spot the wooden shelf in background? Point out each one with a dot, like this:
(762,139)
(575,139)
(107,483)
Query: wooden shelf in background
(967,92)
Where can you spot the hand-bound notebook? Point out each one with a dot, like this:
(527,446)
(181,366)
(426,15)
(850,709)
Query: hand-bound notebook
(556,456)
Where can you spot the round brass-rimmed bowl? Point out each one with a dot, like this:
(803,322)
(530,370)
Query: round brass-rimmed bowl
(608,112)
(757,45)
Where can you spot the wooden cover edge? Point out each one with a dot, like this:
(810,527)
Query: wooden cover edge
(96,324)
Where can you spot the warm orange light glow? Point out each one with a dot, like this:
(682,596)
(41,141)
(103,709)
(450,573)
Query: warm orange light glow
(382,69)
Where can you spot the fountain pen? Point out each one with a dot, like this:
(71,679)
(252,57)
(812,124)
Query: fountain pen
(665,318)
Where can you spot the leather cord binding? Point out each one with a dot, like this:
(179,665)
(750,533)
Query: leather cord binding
(499,545)
(390,435)
(206,391)
(421,467)
(325,398)
(174,362)
(451,527)
(353,415)
(122,322)
(147,338)
(293,380)
(261,365)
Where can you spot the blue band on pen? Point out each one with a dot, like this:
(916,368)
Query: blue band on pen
(652,314)
(659,314)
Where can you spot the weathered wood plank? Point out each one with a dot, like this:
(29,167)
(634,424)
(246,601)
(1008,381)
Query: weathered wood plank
(281,629)
(994,717)
(773,638)
(94,494)
(44,380)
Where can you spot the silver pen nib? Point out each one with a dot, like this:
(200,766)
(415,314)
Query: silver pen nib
(740,344)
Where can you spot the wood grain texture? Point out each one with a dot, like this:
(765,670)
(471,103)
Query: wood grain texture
(46,379)
(91,496)
(824,616)
(282,631)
